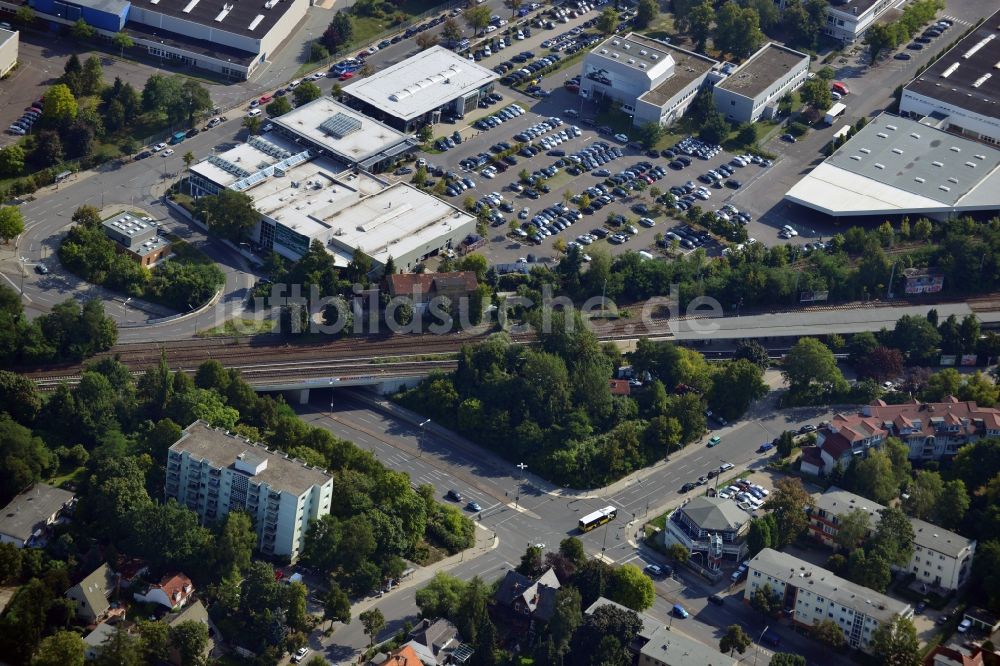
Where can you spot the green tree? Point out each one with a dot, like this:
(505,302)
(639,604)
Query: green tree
(296,615)
(59,106)
(766,601)
(737,30)
(11,222)
(650,133)
(190,638)
(879,38)
(123,41)
(787,659)
(735,387)
(477,17)
(852,528)
(632,588)
(895,643)
(91,78)
(279,107)
(915,337)
(195,100)
(604,637)
(700,19)
(12,160)
(810,363)
(531,562)
(816,93)
(236,543)
(735,640)
(715,129)
(64,648)
(786,442)
(82,31)
(339,32)
(373,622)
(253,124)
(25,15)
(229,214)
(923,494)
(952,505)
(893,537)
(678,553)
(873,477)
(306,92)
(787,502)
(607,21)
(759,536)
(336,605)
(646,13)
(829,633)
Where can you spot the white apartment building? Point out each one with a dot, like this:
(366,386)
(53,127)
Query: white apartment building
(755,88)
(652,80)
(941,558)
(812,594)
(9,43)
(213,472)
(960,92)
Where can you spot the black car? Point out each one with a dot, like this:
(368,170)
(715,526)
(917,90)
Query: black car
(687,487)
(454,495)
(143,155)
(41,269)
(194,131)
(902,56)
(717,599)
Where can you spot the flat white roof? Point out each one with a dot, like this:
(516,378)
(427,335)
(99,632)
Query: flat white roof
(895,166)
(421,83)
(257,153)
(394,222)
(343,131)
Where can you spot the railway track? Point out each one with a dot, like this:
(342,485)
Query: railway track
(259,357)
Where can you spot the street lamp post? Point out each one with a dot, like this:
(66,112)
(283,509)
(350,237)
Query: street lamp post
(125,308)
(517,495)
(717,476)
(421,425)
(759,639)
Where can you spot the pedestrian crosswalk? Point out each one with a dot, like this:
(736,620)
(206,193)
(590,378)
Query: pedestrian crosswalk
(956,21)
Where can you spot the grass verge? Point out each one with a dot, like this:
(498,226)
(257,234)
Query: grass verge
(239,326)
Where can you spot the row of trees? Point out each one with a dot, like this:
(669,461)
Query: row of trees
(552,405)
(887,36)
(738,29)
(71,331)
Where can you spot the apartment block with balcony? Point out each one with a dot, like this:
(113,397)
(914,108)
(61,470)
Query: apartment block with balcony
(810,594)
(213,472)
(932,431)
(942,559)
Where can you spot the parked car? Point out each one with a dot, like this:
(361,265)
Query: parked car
(714,441)
(454,495)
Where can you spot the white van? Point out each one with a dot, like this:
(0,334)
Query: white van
(645,255)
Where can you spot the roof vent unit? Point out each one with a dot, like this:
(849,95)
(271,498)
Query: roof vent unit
(979,45)
(892,127)
(914,135)
(615,42)
(604,51)
(955,149)
(898,151)
(626,46)
(951,70)
(654,56)
(944,188)
(954,180)
(879,166)
(856,158)
(937,164)
(971,165)
(883,135)
(643,52)
(981,80)
(866,151)
(615,55)
(642,65)
(919,179)
(980,157)
(631,61)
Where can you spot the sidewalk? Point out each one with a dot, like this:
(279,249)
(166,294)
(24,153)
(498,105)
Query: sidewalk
(486,540)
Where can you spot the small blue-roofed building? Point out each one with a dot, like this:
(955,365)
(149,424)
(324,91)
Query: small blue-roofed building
(109,15)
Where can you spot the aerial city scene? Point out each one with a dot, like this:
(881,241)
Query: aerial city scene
(500,333)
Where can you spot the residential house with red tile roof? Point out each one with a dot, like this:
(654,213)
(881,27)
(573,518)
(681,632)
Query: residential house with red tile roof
(620,387)
(173,591)
(931,430)
(422,287)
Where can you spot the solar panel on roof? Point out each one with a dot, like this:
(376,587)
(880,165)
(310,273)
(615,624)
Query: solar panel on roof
(340,125)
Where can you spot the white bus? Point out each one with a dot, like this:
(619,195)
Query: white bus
(598,518)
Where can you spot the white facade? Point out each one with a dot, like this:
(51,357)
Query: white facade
(849,22)
(963,121)
(213,473)
(814,594)
(760,83)
(653,81)
(8,51)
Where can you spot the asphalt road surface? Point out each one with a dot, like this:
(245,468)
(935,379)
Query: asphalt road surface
(548,517)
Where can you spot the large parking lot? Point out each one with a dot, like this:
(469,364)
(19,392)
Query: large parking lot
(560,179)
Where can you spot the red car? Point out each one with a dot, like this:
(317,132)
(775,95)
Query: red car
(265,99)
(346,75)
(840,88)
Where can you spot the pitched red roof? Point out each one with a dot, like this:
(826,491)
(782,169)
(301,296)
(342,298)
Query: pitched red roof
(429,283)
(836,445)
(404,656)
(176,586)
(620,387)
(811,454)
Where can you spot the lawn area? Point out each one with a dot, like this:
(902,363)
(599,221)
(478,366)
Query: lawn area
(75,476)
(662,27)
(239,326)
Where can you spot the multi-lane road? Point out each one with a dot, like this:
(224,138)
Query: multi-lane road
(547,514)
